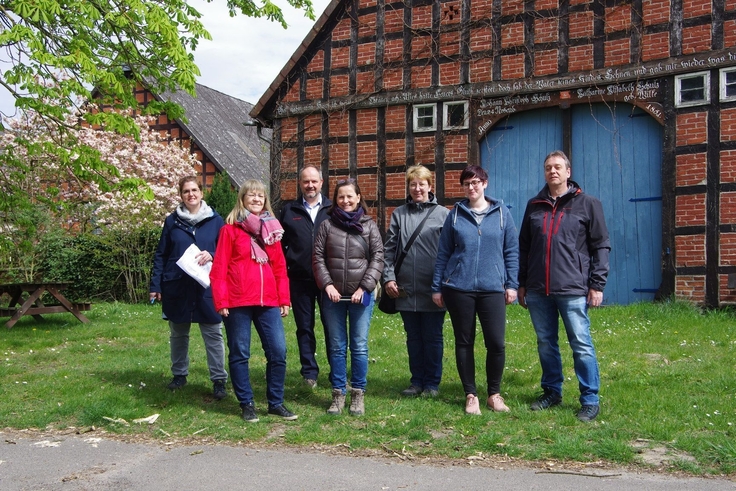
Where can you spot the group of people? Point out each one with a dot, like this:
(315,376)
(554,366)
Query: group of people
(328,255)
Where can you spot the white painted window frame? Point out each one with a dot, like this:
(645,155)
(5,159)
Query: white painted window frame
(724,73)
(446,115)
(706,86)
(416,109)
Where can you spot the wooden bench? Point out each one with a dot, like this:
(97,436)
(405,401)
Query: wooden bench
(33,305)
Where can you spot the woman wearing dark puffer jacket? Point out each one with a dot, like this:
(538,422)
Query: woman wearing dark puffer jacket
(348,260)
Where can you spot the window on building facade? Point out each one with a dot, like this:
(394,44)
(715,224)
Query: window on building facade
(456,115)
(692,89)
(425,116)
(728,84)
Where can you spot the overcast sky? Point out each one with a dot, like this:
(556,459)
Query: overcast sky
(245,54)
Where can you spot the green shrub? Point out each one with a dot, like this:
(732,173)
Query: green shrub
(115,265)
(221,196)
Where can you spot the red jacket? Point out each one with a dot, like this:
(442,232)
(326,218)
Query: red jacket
(239,281)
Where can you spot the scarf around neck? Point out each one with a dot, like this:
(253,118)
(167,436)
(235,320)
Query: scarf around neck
(263,230)
(194,218)
(348,220)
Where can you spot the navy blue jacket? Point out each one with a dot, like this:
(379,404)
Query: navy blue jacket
(183,299)
(299,233)
(564,245)
(477,258)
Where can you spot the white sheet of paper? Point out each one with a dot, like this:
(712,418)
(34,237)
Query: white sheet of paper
(188,263)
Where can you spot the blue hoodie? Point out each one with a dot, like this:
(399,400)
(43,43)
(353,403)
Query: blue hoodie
(477,258)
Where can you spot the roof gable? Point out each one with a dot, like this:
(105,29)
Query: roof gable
(312,38)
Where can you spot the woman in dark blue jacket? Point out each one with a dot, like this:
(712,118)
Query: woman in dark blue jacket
(183,299)
(476,273)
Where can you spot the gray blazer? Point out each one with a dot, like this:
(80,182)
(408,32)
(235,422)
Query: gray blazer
(415,275)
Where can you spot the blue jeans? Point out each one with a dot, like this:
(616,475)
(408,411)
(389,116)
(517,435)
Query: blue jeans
(335,318)
(271,331)
(545,311)
(425,348)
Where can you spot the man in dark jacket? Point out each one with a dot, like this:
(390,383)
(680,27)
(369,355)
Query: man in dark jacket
(563,266)
(301,219)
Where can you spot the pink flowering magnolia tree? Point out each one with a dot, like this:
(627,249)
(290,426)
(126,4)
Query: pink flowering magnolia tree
(141,175)
(122,200)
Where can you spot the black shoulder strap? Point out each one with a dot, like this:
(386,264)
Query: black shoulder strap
(411,240)
(365,246)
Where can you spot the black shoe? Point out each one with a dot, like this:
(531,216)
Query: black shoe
(412,391)
(546,401)
(282,412)
(431,393)
(588,413)
(177,382)
(249,413)
(218,389)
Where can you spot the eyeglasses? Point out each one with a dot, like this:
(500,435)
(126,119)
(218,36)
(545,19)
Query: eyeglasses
(343,182)
(474,183)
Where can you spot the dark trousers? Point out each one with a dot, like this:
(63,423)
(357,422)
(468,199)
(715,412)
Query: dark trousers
(424,344)
(305,296)
(491,311)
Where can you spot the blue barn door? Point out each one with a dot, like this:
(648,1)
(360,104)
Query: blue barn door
(616,156)
(512,153)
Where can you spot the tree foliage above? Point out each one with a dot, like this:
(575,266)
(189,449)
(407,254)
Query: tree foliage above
(58,55)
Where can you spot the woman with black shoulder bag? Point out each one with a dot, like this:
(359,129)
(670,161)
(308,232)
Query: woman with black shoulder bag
(410,251)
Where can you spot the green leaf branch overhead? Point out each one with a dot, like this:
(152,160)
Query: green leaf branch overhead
(57,56)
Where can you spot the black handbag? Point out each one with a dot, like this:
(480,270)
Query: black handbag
(386,304)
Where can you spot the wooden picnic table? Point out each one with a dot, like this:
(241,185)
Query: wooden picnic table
(33,305)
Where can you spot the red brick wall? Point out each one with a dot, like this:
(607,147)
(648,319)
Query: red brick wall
(691,169)
(728,249)
(656,12)
(728,208)
(691,128)
(581,25)
(696,39)
(690,287)
(728,166)
(618,18)
(545,63)
(655,46)
(690,210)
(690,250)
(545,30)
(580,58)
(728,124)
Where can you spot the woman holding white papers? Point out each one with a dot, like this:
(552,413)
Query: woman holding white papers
(183,299)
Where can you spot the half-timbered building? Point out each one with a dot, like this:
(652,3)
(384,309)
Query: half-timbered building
(641,94)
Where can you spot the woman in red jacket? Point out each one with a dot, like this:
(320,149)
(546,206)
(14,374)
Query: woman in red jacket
(249,284)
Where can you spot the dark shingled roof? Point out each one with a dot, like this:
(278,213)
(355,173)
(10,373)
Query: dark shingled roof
(215,124)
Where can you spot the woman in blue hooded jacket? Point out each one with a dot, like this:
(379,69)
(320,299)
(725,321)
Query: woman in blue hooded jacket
(476,273)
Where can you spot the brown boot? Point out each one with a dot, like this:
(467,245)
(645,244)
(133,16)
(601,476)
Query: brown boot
(357,405)
(338,402)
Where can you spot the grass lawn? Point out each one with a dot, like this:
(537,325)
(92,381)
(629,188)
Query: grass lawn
(667,375)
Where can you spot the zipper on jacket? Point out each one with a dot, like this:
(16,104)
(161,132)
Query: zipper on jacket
(555,221)
(548,248)
(260,268)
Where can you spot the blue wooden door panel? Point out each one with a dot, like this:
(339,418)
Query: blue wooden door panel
(513,155)
(616,156)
